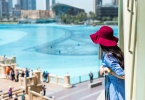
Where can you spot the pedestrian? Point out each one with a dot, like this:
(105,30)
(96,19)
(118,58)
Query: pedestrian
(43,75)
(17,75)
(15,97)
(46,76)
(44,90)
(10,92)
(12,74)
(8,68)
(31,73)
(22,74)
(27,72)
(91,77)
(113,62)
(23,95)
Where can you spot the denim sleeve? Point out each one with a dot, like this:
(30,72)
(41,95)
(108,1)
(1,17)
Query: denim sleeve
(113,64)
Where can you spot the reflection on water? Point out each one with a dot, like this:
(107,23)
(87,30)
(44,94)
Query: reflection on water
(55,48)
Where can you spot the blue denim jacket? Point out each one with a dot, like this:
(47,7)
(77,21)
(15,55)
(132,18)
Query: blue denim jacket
(116,86)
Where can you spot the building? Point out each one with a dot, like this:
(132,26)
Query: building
(27,4)
(31,4)
(5,11)
(16,13)
(115,2)
(35,14)
(107,11)
(24,4)
(49,4)
(10,7)
(96,3)
(0,8)
(66,9)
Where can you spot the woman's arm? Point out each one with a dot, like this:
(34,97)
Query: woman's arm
(105,69)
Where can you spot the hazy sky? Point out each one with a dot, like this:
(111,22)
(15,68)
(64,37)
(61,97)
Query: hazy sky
(84,4)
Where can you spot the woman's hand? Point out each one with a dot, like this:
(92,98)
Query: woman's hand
(103,70)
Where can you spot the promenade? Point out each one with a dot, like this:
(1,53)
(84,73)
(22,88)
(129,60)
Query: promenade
(77,92)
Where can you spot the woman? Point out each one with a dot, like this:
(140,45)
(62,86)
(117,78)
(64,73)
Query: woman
(113,62)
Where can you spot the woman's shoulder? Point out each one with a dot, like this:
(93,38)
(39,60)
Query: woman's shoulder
(109,56)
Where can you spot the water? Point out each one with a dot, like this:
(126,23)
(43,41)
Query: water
(59,49)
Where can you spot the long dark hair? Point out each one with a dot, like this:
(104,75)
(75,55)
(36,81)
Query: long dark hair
(116,52)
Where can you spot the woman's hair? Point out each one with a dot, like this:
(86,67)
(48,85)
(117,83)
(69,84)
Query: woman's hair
(116,52)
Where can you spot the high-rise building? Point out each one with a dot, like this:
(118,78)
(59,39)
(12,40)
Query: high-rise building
(96,4)
(115,2)
(5,8)
(27,4)
(49,4)
(0,8)
(31,4)
(24,4)
(10,6)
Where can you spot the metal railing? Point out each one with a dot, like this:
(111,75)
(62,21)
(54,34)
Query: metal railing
(83,78)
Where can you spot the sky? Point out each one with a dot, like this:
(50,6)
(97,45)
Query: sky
(84,4)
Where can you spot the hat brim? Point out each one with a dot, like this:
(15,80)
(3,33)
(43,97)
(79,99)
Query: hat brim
(102,41)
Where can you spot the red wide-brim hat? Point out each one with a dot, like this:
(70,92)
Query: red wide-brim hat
(104,36)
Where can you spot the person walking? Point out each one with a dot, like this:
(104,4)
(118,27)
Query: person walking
(44,90)
(113,63)
(22,74)
(8,69)
(91,77)
(17,75)
(27,72)
(23,95)
(10,92)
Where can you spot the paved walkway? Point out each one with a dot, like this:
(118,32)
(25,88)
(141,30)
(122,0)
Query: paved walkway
(78,92)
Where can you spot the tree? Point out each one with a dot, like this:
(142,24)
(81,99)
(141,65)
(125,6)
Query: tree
(92,15)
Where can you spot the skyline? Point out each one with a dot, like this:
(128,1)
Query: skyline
(87,4)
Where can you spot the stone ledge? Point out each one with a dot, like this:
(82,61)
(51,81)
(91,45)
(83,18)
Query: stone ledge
(94,84)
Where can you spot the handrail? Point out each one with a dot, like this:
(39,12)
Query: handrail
(134,49)
(130,27)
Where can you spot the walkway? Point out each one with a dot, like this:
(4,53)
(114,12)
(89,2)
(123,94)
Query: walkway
(78,92)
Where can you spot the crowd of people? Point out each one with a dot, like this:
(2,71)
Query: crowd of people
(14,74)
(15,96)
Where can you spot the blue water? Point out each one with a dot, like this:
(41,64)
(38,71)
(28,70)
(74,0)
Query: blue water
(59,49)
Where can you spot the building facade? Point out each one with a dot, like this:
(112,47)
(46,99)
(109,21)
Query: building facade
(115,2)
(0,8)
(66,9)
(96,3)
(27,4)
(107,11)
(31,4)
(49,4)
(24,4)
(5,11)
(35,14)
(10,7)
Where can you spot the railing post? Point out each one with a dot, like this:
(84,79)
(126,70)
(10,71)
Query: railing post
(3,71)
(14,59)
(2,97)
(67,81)
(56,79)
(41,95)
(29,93)
(53,98)
(48,78)
(80,79)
